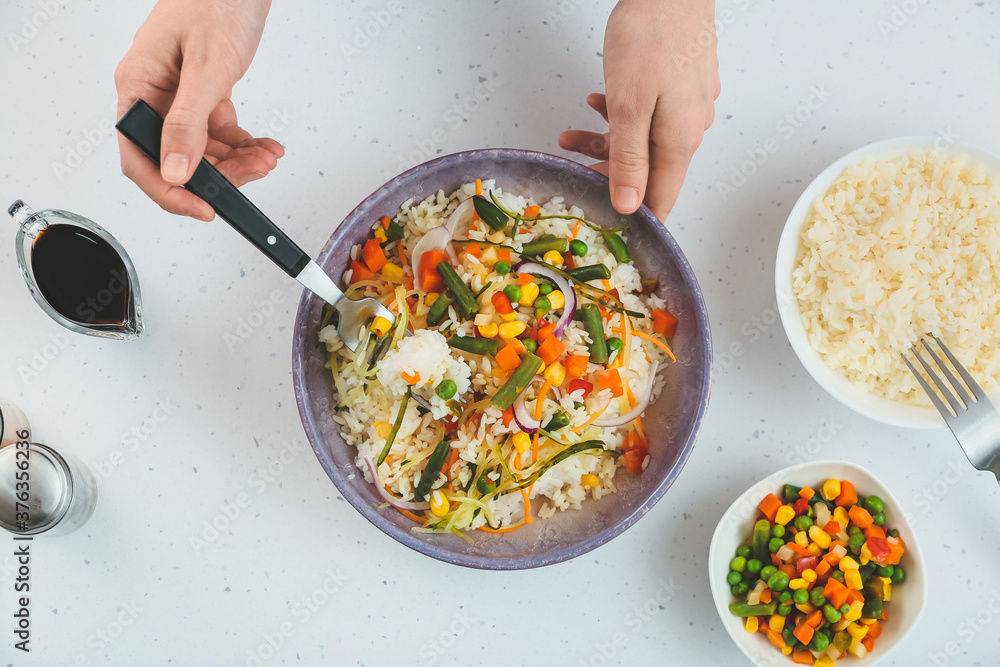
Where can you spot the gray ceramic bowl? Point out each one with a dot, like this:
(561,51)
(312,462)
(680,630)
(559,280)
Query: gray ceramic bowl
(673,421)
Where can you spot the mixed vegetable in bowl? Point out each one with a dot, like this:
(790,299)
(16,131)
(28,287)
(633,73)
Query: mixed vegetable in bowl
(817,574)
(525,350)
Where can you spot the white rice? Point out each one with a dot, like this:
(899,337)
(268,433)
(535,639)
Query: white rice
(896,249)
(365,417)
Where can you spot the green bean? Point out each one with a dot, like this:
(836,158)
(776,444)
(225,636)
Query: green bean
(558,421)
(590,315)
(432,470)
(465,300)
(543,245)
(617,246)
(395,427)
(591,272)
(475,345)
(743,608)
(489,212)
(517,381)
(439,308)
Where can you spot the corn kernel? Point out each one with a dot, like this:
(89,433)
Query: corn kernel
(592,482)
(819,536)
(857,631)
(841,517)
(555,373)
(796,584)
(522,441)
(857,649)
(512,329)
(867,621)
(776,622)
(439,503)
(393,273)
(529,293)
(805,608)
(801,539)
(380,326)
(814,549)
(866,554)
(841,624)
(489,330)
(508,317)
(553,257)
(784,515)
(786,650)
(556,299)
(497,237)
(383,429)
(852,578)
(824,661)
(847,563)
(831,489)
(854,613)
(809,575)
(886,589)
(380,234)
(430,298)
(752,624)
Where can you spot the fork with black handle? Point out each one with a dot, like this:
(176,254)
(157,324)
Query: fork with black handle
(971,416)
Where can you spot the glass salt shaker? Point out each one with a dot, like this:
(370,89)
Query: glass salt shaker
(78,273)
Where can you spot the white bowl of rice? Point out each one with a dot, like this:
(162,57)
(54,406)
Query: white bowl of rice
(893,241)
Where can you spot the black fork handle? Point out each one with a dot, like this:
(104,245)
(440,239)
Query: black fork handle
(143,126)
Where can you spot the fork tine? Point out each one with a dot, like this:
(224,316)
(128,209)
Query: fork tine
(977,391)
(956,385)
(956,406)
(941,407)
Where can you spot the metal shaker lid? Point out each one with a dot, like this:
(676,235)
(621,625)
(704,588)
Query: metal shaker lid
(49,490)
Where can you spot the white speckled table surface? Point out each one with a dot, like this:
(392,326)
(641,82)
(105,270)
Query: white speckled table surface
(197,418)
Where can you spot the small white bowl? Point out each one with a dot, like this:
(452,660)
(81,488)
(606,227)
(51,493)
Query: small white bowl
(838,386)
(736,527)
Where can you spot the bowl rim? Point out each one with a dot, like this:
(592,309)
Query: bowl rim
(407,538)
(836,385)
(720,591)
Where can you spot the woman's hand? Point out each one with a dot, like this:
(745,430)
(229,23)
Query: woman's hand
(184,62)
(662,78)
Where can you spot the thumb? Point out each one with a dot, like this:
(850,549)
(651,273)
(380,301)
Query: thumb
(185,129)
(628,159)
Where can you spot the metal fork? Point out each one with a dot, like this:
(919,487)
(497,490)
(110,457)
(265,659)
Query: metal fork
(973,419)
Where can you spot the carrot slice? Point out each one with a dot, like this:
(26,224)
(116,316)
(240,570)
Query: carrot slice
(532,211)
(860,516)
(664,323)
(770,506)
(360,272)
(610,379)
(551,349)
(373,255)
(507,358)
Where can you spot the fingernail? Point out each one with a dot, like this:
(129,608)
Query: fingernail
(626,199)
(174,168)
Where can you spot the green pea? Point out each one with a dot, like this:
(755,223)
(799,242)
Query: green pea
(447,389)
(853,530)
(817,598)
(734,578)
(577,248)
(778,581)
(741,589)
(893,533)
(545,288)
(820,642)
(802,523)
(844,608)
(777,530)
(785,610)
(885,571)
(775,544)
(874,504)
(767,571)
(502,268)
(738,564)
(831,613)
(485,485)
(543,304)
(800,596)
(879,518)
(754,566)
(513,292)
(855,543)
(838,575)
(529,345)
(616,344)
(744,551)
(786,596)
(898,575)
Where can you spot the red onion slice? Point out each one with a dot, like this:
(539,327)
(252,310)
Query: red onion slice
(647,395)
(439,237)
(524,420)
(388,497)
(569,295)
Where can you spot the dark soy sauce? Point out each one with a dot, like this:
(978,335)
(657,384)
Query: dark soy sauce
(81,275)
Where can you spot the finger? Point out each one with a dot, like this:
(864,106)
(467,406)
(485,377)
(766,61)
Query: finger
(630,118)
(220,151)
(600,167)
(591,144)
(671,150)
(171,198)
(185,129)
(241,170)
(598,103)
(223,125)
